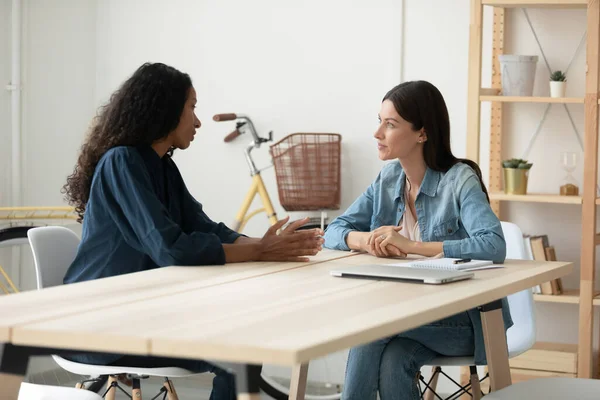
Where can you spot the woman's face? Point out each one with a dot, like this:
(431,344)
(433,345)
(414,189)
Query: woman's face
(395,136)
(183,135)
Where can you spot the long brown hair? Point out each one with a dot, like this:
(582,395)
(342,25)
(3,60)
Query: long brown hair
(146,108)
(422,104)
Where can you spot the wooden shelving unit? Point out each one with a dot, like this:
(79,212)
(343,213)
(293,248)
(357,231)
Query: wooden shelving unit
(524,99)
(567,297)
(536,198)
(536,3)
(586,295)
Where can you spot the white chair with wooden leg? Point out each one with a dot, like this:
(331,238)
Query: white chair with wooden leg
(520,337)
(54,249)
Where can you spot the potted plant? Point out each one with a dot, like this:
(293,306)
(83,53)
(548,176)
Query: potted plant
(516,172)
(558,84)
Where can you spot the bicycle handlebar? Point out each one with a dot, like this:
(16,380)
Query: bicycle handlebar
(232,136)
(224,117)
(244,125)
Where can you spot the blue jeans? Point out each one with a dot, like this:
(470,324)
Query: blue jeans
(390,365)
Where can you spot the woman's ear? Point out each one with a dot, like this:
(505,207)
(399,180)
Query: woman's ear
(422,138)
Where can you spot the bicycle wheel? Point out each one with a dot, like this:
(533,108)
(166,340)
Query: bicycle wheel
(14,235)
(278,391)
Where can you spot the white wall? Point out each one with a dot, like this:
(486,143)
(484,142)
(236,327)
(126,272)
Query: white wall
(59,78)
(5,135)
(5,118)
(311,66)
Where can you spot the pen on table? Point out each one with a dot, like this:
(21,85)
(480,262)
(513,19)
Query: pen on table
(462,260)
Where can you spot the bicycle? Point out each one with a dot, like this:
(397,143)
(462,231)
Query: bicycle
(307,168)
(243,124)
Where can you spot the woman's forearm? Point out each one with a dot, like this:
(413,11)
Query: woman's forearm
(428,249)
(246,240)
(241,252)
(357,240)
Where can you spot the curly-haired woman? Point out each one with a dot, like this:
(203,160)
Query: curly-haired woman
(137,212)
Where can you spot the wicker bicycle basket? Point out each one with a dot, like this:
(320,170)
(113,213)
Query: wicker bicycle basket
(307,168)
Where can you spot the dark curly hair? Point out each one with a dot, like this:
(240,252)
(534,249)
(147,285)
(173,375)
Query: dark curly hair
(145,109)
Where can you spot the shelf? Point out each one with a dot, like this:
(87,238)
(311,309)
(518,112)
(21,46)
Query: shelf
(538,198)
(528,99)
(568,297)
(536,3)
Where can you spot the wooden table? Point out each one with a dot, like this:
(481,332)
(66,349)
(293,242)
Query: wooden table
(250,314)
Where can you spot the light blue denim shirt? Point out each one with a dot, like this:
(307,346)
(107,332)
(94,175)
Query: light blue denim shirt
(451,208)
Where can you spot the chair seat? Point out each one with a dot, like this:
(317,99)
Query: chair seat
(30,391)
(453,361)
(94,370)
(550,389)
(466,361)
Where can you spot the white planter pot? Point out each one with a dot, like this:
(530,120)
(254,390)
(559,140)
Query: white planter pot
(518,74)
(557,88)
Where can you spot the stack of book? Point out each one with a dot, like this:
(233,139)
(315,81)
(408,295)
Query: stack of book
(538,248)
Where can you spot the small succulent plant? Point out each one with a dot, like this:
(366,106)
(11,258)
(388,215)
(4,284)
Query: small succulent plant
(516,163)
(558,76)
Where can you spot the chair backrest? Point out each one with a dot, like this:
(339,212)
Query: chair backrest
(30,391)
(521,336)
(54,249)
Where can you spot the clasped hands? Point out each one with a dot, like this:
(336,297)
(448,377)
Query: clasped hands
(386,241)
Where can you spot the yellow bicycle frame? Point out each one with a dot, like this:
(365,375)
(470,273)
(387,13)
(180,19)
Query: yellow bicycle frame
(257,187)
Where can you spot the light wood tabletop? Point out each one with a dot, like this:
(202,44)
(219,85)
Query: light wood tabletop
(255,313)
(85,297)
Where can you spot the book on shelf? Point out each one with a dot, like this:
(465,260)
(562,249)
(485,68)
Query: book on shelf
(538,248)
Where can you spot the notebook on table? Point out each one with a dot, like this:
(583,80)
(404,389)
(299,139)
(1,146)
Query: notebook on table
(451,264)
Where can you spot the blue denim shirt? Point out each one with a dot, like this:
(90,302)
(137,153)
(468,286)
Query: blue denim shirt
(451,208)
(140,216)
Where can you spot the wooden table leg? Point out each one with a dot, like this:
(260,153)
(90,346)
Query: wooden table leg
(247,379)
(10,385)
(298,382)
(496,349)
(13,366)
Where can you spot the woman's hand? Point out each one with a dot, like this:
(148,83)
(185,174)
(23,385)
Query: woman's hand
(290,244)
(294,226)
(389,250)
(390,237)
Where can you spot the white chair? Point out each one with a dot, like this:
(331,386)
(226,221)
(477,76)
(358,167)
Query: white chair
(520,337)
(54,249)
(550,389)
(29,391)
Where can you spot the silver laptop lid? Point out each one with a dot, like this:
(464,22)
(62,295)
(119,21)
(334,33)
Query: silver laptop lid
(424,275)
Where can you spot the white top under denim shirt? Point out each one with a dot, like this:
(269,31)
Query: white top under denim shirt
(451,208)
